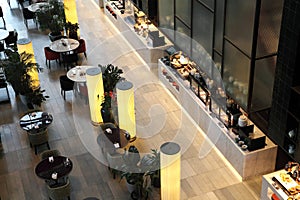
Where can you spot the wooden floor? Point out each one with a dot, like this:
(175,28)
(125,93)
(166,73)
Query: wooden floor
(159,119)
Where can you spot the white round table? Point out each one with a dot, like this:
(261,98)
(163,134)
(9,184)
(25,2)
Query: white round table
(78,73)
(3,34)
(36,6)
(64,45)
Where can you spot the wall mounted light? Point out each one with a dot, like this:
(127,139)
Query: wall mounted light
(126,112)
(170,171)
(94,83)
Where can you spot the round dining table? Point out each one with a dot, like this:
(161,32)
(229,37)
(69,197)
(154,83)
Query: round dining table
(78,73)
(3,34)
(35,121)
(64,45)
(36,6)
(54,168)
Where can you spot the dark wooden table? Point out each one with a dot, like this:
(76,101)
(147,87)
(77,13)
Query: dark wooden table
(59,165)
(35,121)
(117,137)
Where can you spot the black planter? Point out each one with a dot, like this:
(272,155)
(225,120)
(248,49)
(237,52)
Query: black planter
(54,36)
(107,115)
(73,35)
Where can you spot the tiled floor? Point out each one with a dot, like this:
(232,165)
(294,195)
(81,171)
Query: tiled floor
(159,119)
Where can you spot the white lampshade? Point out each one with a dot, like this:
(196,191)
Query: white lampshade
(94,83)
(170,171)
(126,113)
(25,45)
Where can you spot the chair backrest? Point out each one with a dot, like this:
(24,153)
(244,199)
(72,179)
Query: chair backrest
(1,12)
(38,138)
(60,192)
(65,83)
(51,55)
(48,153)
(81,48)
(27,14)
(115,160)
(108,125)
(12,38)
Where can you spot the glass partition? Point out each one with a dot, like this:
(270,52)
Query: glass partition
(183,10)
(166,17)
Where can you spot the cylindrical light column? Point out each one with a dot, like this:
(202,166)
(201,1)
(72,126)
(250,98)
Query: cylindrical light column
(126,113)
(25,45)
(94,83)
(71,12)
(170,171)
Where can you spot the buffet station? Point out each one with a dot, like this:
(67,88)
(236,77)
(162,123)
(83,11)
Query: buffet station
(138,30)
(283,184)
(242,143)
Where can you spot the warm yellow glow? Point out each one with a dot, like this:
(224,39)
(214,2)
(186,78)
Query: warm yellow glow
(94,83)
(71,12)
(126,113)
(170,171)
(25,45)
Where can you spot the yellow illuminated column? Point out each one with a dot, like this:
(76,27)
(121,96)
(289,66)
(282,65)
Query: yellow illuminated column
(94,83)
(170,171)
(126,114)
(25,45)
(71,12)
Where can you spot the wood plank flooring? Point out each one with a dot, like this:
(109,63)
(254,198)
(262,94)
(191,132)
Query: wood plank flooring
(159,119)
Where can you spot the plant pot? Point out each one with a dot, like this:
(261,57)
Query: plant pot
(73,35)
(54,35)
(107,115)
(24,100)
(130,186)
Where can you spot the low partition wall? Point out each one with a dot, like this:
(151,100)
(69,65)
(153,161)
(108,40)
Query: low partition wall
(246,163)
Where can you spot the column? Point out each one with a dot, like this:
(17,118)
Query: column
(94,83)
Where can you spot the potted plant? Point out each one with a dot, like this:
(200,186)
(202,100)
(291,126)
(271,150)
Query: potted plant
(17,68)
(52,17)
(111,76)
(137,176)
(72,29)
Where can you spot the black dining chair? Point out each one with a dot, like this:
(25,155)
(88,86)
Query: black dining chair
(69,59)
(11,40)
(65,85)
(27,14)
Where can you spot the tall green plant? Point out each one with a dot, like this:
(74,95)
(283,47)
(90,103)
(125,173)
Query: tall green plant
(16,68)
(52,16)
(111,75)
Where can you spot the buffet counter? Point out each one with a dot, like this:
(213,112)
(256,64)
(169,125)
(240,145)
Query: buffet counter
(148,48)
(246,163)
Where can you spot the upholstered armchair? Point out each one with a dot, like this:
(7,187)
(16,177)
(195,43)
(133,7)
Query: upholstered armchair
(38,139)
(60,192)
(48,153)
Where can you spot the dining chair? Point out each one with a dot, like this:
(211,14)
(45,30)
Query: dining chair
(50,55)
(3,84)
(114,161)
(48,153)
(38,139)
(27,14)
(2,16)
(65,85)
(104,126)
(69,59)
(59,192)
(11,40)
(82,47)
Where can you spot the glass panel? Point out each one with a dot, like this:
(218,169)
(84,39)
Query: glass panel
(182,37)
(203,26)
(240,22)
(166,17)
(218,37)
(236,74)
(183,10)
(263,83)
(269,27)
(218,61)
(208,3)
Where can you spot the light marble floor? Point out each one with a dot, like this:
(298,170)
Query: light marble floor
(159,119)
